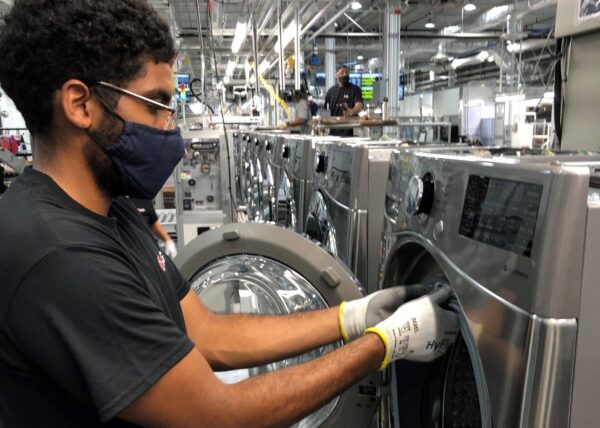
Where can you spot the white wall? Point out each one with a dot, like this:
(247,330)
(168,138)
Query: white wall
(581,123)
(446,102)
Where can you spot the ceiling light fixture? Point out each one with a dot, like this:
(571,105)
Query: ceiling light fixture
(239,36)
(356,5)
(490,58)
(360,57)
(469,7)
(429,25)
(288,35)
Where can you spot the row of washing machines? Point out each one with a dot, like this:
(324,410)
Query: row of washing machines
(515,234)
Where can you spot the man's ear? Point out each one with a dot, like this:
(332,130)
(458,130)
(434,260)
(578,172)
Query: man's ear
(77,103)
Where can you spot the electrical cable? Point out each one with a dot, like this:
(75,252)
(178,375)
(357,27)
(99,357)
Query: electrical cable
(195,95)
(221,108)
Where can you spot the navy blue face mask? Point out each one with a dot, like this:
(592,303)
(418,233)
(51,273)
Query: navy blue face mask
(144,158)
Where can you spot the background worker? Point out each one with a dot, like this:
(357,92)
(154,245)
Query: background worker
(343,99)
(303,115)
(146,209)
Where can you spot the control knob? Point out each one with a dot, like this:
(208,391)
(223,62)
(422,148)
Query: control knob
(419,197)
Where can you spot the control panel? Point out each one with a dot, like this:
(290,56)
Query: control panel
(200,175)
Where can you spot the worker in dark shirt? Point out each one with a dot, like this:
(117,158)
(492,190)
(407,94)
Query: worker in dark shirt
(146,209)
(97,325)
(343,99)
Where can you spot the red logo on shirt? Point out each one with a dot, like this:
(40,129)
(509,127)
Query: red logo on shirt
(161,261)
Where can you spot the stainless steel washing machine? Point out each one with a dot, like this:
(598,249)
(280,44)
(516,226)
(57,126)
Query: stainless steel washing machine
(295,185)
(266,269)
(517,240)
(345,213)
(267,144)
(346,209)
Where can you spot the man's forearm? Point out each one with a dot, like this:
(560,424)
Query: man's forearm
(281,398)
(236,341)
(189,396)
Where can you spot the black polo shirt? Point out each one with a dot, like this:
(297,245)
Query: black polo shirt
(89,309)
(338,100)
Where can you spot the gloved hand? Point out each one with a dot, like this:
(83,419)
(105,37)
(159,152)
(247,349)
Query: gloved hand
(170,249)
(419,330)
(356,316)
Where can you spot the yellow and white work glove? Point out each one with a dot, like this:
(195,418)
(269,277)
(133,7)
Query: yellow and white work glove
(170,249)
(356,316)
(419,330)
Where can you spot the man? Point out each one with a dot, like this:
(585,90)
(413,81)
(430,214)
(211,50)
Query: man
(97,326)
(343,99)
(303,115)
(146,209)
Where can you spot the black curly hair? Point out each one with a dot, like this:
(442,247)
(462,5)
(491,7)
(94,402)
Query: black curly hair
(47,42)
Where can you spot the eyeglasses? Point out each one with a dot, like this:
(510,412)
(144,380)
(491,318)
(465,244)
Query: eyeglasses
(115,88)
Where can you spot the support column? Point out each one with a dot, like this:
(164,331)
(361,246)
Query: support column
(392,54)
(330,61)
(297,49)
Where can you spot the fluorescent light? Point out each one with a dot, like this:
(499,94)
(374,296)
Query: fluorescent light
(231,64)
(429,24)
(431,75)
(356,5)
(451,29)
(360,57)
(469,7)
(288,35)
(239,36)
(263,66)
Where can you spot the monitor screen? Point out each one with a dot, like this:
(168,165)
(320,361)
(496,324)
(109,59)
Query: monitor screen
(367,82)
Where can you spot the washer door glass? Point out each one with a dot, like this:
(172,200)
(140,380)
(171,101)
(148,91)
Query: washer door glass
(286,206)
(319,225)
(253,284)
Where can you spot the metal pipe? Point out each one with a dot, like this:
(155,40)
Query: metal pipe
(393,56)
(202,59)
(280,35)
(354,22)
(297,50)
(327,24)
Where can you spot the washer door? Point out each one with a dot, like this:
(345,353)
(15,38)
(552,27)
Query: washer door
(265,269)
(268,193)
(255,205)
(286,206)
(450,391)
(319,224)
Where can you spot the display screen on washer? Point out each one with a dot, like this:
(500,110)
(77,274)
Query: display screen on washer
(502,213)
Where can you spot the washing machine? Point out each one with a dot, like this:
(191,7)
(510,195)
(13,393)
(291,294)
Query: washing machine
(265,269)
(267,145)
(516,238)
(345,213)
(346,208)
(295,184)
(239,148)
